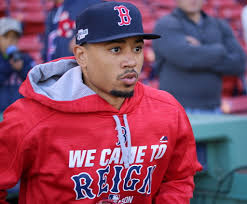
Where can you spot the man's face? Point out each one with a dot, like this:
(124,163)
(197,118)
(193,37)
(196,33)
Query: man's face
(190,6)
(10,38)
(112,68)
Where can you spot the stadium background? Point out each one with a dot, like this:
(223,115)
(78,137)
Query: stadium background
(32,14)
(214,135)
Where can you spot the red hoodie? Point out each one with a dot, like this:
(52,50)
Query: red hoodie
(68,145)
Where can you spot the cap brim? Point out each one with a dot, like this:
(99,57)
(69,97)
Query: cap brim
(11,29)
(145,36)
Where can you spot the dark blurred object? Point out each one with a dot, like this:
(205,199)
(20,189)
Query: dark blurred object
(13,53)
(12,201)
(242,2)
(16,56)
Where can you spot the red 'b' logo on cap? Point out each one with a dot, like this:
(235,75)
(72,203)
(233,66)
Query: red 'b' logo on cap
(123,14)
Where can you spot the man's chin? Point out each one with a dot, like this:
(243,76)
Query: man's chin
(122,94)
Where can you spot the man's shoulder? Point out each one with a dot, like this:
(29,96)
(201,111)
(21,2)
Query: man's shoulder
(27,112)
(160,96)
(168,20)
(222,23)
(213,19)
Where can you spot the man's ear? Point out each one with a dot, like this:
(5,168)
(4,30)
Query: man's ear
(80,53)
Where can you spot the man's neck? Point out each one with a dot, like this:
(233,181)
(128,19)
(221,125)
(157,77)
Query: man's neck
(116,102)
(195,17)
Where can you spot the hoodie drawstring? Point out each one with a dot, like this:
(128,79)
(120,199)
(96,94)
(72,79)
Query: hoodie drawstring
(126,150)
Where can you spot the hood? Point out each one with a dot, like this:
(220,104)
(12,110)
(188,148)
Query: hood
(58,84)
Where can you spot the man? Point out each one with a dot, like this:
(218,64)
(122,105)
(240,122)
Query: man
(51,25)
(87,131)
(195,53)
(60,26)
(243,3)
(14,65)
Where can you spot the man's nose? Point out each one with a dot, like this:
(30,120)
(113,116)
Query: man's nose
(129,61)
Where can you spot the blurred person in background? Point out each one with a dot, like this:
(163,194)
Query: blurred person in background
(196,52)
(14,65)
(244,27)
(60,26)
(244,19)
(51,26)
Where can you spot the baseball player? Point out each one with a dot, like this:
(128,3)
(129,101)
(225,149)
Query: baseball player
(87,131)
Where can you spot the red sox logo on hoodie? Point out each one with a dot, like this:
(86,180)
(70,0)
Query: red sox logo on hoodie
(124,135)
(123,14)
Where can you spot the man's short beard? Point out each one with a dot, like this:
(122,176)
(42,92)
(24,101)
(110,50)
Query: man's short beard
(122,94)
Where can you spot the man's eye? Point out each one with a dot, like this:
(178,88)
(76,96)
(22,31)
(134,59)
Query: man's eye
(115,49)
(138,49)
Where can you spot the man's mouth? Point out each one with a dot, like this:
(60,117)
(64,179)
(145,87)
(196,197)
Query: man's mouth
(129,78)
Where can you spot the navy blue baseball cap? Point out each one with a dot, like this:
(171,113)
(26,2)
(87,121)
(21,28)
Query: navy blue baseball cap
(108,21)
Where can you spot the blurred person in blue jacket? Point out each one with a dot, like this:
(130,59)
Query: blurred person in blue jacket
(14,65)
(193,55)
(60,26)
(243,3)
(51,25)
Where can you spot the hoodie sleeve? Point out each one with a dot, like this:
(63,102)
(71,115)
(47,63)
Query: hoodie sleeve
(173,48)
(178,184)
(234,60)
(14,148)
